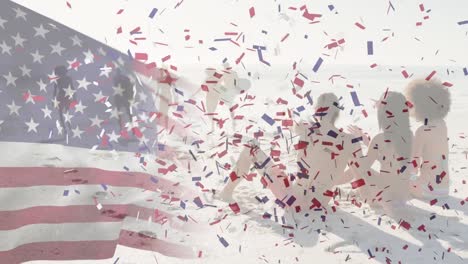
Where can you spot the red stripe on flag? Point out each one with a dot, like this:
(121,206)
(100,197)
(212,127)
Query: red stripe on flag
(86,250)
(39,176)
(76,214)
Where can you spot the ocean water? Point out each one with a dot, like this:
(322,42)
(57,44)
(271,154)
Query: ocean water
(369,83)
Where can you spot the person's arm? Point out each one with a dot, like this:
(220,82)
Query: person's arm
(365,162)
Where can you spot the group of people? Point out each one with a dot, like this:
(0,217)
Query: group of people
(122,96)
(410,164)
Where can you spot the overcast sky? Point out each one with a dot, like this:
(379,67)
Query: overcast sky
(210,19)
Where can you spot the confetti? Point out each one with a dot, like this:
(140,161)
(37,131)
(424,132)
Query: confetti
(223,241)
(252,12)
(268,119)
(358,183)
(153,12)
(355,98)
(370,48)
(317,64)
(235,208)
(359,25)
(429,77)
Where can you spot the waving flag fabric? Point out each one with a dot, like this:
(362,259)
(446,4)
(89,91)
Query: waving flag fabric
(60,87)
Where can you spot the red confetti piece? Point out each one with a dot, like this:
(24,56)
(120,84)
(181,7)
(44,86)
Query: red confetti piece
(430,75)
(136,131)
(405,74)
(233,176)
(299,82)
(364,112)
(252,12)
(405,225)
(447,84)
(359,25)
(141,56)
(235,208)
(358,183)
(166,58)
(421,7)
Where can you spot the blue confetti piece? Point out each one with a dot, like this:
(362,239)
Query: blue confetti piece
(309,98)
(291,200)
(180,108)
(223,241)
(261,166)
(464,22)
(370,48)
(223,39)
(142,159)
(198,202)
(355,98)
(268,119)
(300,108)
(198,178)
(126,168)
(161,147)
(65,193)
(130,54)
(182,204)
(331,7)
(224,60)
(332,134)
(153,179)
(280,203)
(355,140)
(380,220)
(179,91)
(153,12)
(117,260)
(213,49)
(465,71)
(403,169)
(77,192)
(317,64)
(104,187)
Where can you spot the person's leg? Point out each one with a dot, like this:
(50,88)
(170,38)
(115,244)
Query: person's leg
(61,118)
(273,177)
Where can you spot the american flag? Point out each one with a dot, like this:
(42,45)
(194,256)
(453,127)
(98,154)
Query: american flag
(62,96)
